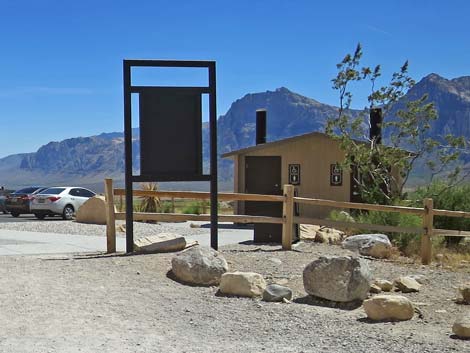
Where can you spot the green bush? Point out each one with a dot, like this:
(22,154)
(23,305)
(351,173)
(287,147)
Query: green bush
(193,208)
(455,198)
(401,240)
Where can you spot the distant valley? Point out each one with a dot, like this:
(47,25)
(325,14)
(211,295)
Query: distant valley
(86,161)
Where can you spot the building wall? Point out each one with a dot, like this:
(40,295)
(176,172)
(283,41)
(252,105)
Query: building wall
(315,155)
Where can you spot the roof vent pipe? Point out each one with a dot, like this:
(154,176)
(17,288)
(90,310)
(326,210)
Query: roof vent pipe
(376,119)
(260,126)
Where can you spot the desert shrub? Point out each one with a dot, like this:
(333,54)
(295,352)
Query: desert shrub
(401,240)
(192,208)
(455,198)
(149,203)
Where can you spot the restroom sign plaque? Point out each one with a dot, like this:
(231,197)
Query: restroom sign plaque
(336,175)
(294,174)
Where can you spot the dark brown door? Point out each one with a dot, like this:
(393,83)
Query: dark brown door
(263,176)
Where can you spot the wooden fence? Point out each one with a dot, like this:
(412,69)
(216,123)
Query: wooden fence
(427,231)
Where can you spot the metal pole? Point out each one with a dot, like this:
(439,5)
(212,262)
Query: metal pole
(128,157)
(213,158)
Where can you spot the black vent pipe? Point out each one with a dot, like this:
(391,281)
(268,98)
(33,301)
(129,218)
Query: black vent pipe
(376,120)
(261,126)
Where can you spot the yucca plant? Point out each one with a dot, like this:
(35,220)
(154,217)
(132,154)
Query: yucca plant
(149,203)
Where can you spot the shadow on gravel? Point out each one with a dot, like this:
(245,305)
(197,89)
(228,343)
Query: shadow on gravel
(455,337)
(315,301)
(88,256)
(229,226)
(172,276)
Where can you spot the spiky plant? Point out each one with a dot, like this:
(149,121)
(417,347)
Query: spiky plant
(149,203)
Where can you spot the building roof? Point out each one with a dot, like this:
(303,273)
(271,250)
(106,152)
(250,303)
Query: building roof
(286,141)
(276,143)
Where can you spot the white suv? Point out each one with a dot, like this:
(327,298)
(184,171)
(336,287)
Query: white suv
(64,201)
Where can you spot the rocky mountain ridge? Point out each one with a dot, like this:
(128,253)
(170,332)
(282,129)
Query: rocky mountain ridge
(88,160)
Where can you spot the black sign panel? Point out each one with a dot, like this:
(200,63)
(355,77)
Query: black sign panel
(336,175)
(170,132)
(294,174)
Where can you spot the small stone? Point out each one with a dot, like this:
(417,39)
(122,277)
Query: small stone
(242,284)
(465,293)
(407,284)
(375,289)
(461,326)
(442,311)
(420,279)
(275,261)
(384,285)
(276,293)
(389,308)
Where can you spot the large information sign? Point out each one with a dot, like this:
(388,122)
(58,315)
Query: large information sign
(170,131)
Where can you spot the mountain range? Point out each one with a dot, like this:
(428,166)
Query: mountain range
(86,161)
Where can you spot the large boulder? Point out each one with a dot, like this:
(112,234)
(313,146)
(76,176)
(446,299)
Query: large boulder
(163,242)
(388,308)
(277,293)
(338,278)
(461,326)
(199,265)
(93,211)
(374,245)
(242,284)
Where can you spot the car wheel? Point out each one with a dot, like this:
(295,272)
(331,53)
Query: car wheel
(14,214)
(68,212)
(40,215)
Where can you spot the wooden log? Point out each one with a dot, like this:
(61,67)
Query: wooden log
(447,213)
(426,245)
(110,217)
(197,195)
(450,233)
(359,206)
(178,217)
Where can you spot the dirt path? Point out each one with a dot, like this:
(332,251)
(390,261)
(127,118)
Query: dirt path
(128,304)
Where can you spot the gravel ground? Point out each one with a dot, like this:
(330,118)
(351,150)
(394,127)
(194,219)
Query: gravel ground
(100,303)
(59,226)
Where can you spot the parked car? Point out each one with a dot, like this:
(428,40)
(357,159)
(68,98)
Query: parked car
(19,202)
(64,201)
(3,196)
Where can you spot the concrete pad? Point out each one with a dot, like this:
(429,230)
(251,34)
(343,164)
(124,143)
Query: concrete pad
(35,243)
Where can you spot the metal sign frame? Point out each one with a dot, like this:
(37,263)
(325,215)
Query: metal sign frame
(130,178)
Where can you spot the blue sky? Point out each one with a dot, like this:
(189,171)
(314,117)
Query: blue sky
(61,61)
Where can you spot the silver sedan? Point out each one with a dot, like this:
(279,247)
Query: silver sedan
(64,201)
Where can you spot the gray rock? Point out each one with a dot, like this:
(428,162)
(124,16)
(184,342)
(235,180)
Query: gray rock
(276,293)
(375,245)
(338,278)
(242,284)
(199,265)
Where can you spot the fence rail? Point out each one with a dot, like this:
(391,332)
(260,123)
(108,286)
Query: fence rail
(288,219)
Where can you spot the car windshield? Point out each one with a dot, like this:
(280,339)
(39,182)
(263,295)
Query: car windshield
(29,190)
(52,191)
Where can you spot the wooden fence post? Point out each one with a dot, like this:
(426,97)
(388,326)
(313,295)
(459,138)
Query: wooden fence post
(426,244)
(172,205)
(288,217)
(110,217)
